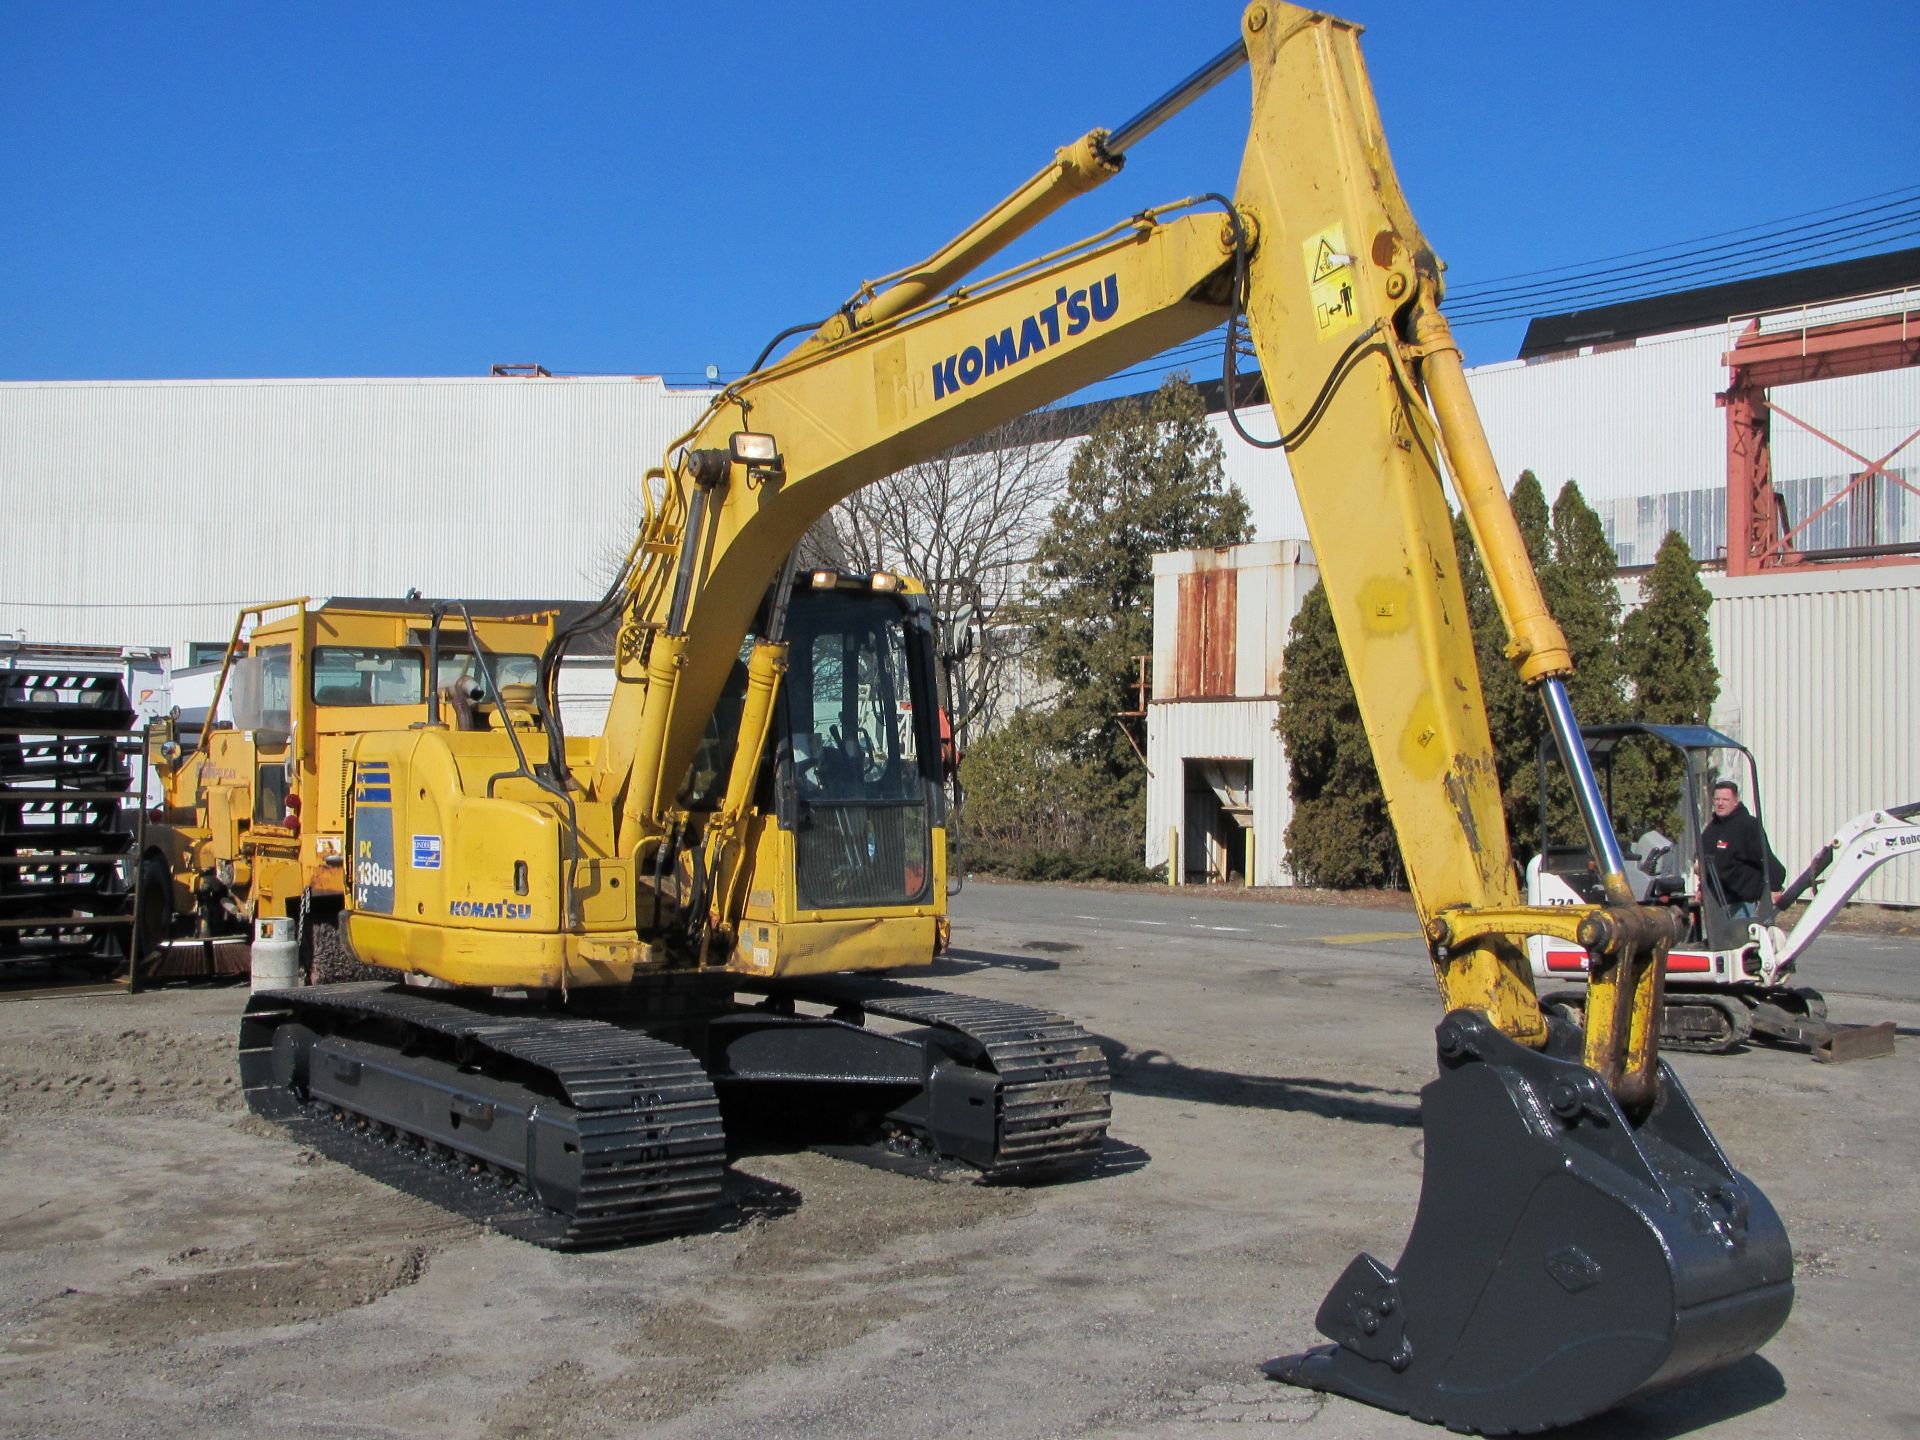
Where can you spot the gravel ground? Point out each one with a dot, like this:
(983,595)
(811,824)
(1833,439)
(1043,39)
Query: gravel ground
(170,1265)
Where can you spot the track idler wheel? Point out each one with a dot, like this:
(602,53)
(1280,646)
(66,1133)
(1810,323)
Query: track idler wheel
(1563,1259)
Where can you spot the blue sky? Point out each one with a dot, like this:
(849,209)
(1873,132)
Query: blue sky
(221,189)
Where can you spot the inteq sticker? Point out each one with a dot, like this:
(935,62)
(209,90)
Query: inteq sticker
(426,852)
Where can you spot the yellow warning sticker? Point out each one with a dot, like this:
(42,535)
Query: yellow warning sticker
(1331,281)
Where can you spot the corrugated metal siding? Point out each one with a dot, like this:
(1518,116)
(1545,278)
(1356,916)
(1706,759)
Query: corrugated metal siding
(1641,431)
(585,693)
(1869,415)
(1262,475)
(1271,580)
(146,512)
(1819,679)
(1639,420)
(1219,729)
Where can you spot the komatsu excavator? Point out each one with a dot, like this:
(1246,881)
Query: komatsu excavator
(605,937)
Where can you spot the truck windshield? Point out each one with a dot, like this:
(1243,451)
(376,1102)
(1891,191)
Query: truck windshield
(366,675)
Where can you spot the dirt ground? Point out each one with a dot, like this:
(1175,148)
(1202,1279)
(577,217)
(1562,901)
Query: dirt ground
(170,1265)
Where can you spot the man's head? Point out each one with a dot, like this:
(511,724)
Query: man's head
(1726,797)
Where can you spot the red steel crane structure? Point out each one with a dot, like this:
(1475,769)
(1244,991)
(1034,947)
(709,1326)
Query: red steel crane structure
(1761,536)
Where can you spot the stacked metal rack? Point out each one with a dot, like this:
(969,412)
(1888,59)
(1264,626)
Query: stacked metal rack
(69,841)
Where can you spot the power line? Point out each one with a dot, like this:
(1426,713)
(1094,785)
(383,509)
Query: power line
(1505,281)
(1888,227)
(1726,274)
(1849,228)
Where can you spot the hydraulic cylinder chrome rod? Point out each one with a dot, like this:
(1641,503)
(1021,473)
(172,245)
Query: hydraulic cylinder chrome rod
(1586,789)
(1122,137)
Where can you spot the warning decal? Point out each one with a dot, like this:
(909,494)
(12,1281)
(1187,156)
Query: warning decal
(1326,260)
(1330,281)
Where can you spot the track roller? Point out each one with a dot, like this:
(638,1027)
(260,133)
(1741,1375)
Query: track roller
(1563,1259)
(1705,1021)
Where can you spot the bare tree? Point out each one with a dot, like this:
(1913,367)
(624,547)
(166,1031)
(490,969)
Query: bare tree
(966,524)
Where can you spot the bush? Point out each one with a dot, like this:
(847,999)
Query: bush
(1033,813)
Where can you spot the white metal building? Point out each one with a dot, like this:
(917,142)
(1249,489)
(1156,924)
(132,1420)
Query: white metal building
(1638,427)
(144,513)
(148,512)
(1820,678)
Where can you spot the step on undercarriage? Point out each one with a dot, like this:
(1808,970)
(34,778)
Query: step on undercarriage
(572,1131)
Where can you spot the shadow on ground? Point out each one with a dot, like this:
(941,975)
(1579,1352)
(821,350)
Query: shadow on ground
(963,962)
(1739,1390)
(1156,1073)
(1118,1157)
(746,1198)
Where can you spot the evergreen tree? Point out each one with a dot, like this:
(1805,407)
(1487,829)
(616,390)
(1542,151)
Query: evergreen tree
(1666,653)
(1581,593)
(1340,835)
(1530,512)
(1149,479)
(1666,647)
(1578,582)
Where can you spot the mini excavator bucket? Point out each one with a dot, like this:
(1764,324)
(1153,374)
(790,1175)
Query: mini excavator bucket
(1563,1260)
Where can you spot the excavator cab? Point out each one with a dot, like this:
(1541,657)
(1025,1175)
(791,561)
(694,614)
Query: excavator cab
(850,777)
(857,746)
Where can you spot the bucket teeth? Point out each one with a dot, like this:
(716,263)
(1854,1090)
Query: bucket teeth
(1562,1259)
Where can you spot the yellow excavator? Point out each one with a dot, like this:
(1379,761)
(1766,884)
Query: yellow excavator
(615,948)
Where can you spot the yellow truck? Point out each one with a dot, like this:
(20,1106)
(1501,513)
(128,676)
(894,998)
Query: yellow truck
(252,822)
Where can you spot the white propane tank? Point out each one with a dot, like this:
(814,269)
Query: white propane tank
(275,954)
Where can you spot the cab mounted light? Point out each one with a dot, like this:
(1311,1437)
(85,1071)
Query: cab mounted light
(825,579)
(880,580)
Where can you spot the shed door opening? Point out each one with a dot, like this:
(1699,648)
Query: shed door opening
(1219,815)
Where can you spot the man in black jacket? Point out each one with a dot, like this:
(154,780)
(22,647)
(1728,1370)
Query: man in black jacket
(1736,851)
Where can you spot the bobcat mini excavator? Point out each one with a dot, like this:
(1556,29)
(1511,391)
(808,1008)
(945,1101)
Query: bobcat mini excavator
(604,937)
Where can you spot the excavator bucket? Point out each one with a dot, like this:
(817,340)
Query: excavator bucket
(1563,1259)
